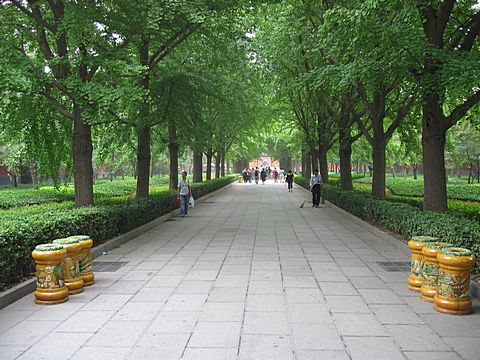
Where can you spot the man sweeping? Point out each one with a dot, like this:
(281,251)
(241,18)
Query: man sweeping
(315,183)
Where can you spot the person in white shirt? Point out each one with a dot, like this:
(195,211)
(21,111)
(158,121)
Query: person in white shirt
(184,192)
(315,182)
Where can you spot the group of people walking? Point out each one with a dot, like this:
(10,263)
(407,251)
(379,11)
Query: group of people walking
(262,174)
(255,174)
(280,175)
(184,190)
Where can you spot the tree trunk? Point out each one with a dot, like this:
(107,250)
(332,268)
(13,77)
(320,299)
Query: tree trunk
(304,162)
(144,134)
(13,179)
(152,167)
(435,188)
(227,167)
(323,165)
(173,153)
(346,182)
(288,164)
(433,144)
(197,166)
(33,175)
(222,168)
(143,162)
(378,181)
(217,164)
(112,174)
(415,172)
(308,166)
(82,160)
(314,155)
(478,170)
(209,163)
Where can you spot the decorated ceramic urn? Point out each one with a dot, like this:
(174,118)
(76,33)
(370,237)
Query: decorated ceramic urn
(430,269)
(453,287)
(49,260)
(85,259)
(416,244)
(71,265)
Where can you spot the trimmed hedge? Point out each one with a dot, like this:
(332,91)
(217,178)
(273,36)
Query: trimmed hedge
(405,219)
(458,208)
(109,218)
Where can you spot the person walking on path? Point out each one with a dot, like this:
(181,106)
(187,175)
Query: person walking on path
(275,175)
(256,173)
(315,182)
(263,176)
(184,192)
(289,180)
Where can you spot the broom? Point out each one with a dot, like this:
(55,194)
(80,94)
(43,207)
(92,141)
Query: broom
(304,201)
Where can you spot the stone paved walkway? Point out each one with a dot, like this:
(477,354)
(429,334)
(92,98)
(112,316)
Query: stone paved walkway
(247,275)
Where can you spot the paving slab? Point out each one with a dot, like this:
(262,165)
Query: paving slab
(247,275)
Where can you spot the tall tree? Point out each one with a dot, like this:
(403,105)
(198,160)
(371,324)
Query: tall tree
(451,31)
(63,44)
(381,75)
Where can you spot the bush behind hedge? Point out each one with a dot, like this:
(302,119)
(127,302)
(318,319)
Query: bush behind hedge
(405,219)
(111,217)
(103,188)
(458,208)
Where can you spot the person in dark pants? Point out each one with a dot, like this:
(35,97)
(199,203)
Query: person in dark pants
(289,180)
(263,176)
(245,176)
(184,192)
(315,182)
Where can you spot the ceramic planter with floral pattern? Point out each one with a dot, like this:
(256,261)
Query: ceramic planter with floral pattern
(85,259)
(416,244)
(71,265)
(453,287)
(430,269)
(49,259)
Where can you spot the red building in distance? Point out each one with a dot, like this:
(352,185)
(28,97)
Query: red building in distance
(265,161)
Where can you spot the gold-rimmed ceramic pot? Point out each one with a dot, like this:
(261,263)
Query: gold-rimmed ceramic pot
(49,260)
(85,259)
(453,289)
(430,269)
(416,243)
(71,265)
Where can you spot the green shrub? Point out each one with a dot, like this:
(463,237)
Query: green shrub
(26,196)
(464,191)
(103,188)
(410,187)
(405,219)
(458,208)
(405,187)
(110,217)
